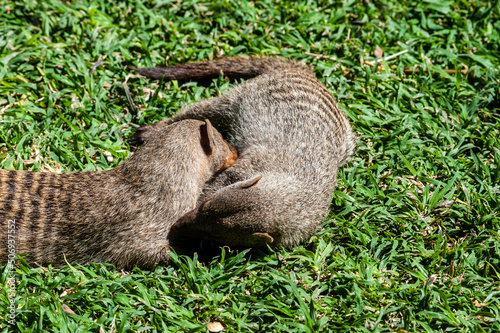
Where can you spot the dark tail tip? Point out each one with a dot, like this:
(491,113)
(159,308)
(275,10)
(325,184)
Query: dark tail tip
(156,73)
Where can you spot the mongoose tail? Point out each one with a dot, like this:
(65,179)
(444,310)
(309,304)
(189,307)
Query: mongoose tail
(232,68)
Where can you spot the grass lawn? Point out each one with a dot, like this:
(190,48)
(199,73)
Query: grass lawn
(412,243)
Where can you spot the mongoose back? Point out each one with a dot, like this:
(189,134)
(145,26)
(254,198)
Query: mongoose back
(291,139)
(120,216)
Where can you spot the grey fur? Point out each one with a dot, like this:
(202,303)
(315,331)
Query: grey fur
(291,138)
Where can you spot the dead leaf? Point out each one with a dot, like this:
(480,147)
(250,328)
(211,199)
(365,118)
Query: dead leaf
(215,327)
(67,309)
(378,52)
(431,280)
(479,305)
(446,203)
(67,292)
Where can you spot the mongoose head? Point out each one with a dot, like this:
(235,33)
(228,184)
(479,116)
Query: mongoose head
(207,152)
(229,217)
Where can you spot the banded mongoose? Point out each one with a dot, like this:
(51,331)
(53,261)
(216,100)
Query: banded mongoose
(120,216)
(291,138)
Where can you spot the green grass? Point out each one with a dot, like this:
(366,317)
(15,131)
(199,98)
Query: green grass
(412,242)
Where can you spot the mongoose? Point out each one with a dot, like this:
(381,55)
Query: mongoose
(291,138)
(120,216)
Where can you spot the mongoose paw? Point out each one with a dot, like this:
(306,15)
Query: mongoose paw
(140,136)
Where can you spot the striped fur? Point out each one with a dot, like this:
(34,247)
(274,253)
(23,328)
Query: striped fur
(121,216)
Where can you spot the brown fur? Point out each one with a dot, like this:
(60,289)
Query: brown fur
(121,216)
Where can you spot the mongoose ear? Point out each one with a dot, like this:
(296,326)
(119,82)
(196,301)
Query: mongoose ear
(250,182)
(261,238)
(207,137)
